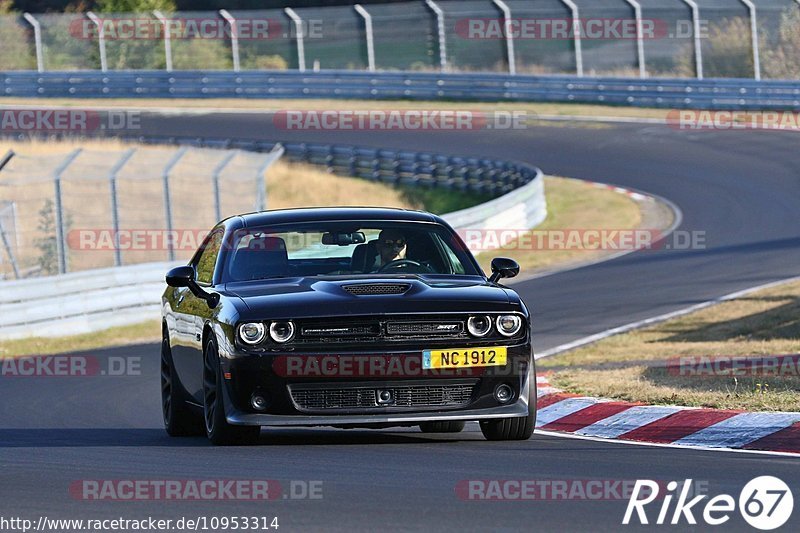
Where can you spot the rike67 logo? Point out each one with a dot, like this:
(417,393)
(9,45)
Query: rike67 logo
(765,503)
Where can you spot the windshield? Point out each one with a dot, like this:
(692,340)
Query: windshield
(342,248)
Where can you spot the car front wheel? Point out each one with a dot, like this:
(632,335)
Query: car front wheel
(517,428)
(218,430)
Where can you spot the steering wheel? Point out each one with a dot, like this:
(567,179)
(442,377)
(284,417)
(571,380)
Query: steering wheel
(398,263)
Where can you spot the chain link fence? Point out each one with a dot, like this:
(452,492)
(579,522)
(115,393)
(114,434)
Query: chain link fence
(673,38)
(100,208)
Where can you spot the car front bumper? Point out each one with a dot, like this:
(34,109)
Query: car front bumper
(248,375)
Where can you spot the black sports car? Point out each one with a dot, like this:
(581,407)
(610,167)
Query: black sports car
(346,317)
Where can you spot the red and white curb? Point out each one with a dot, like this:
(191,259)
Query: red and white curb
(682,426)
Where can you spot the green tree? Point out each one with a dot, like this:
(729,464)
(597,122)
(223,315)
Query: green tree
(17,51)
(782,60)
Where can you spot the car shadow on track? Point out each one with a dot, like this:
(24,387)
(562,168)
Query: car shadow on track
(155,437)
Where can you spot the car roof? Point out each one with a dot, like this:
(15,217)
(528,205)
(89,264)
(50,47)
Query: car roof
(314,214)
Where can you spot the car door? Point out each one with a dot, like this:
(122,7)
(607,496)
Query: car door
(195,311)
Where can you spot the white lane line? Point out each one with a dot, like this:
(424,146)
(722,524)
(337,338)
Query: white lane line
(657,319)
(740,430)
(662,445)
(559,410)
(628,420)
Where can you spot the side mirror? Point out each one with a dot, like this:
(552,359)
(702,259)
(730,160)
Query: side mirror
(180,276)
(503,267)
(183,276)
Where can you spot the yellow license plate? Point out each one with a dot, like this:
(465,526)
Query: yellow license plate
(464,357)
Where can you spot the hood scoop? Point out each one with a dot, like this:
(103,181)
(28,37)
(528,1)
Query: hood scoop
(371,289)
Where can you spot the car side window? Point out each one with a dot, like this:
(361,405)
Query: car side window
(208,258)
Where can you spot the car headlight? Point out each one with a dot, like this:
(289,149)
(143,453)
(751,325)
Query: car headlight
(479,326)
(282,331)
(509,325)
(252,332)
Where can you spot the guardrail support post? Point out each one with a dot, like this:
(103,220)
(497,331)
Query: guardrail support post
(261,182)
(637,12)
(698,49)
(370,37)
(101,39)
(298,28)
(215,182)
(112,178)
(168,200)
(442,34)
(61,249)
(167,39)
(37,39)
(754,36)
(576,30)
(234,38)
(507,22)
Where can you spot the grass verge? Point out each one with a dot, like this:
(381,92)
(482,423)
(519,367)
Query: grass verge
(633,366)
(531,108)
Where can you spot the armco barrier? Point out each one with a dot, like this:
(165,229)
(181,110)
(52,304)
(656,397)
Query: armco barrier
(652,92)
(89,300)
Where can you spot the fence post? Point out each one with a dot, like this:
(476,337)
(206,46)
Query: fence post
(101,39)
(112,178)
(698,50)
(37,39)
(167,39)
(234,37)
(168,200)
(576,30)
(261,183)
(507,22)
(215,180)
(7,245)
(60,237)
(370,36)
(754,36)
(298,27)
(442,35)
(637,12)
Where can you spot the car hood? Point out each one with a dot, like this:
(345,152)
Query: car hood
(314,297)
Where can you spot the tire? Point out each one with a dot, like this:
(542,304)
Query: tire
(180,420)
(447,426)
(218,430)
(516,428)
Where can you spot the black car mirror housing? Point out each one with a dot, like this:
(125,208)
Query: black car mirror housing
(503,267)
(183,276)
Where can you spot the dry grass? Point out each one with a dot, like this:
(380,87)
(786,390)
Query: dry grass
(143,332)
(571,205)
(632,366)
(532,108)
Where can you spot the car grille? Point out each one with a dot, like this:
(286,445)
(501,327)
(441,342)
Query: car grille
(390,329)
(420,396)
(368,289)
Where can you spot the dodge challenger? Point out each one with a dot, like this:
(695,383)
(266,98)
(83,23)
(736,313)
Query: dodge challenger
(344,317)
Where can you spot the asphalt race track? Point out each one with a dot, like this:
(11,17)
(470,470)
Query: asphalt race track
(741,188)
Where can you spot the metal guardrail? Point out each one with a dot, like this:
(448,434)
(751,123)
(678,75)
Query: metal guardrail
(94,299)
(719,93)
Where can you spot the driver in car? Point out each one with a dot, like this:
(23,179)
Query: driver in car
(391,247)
